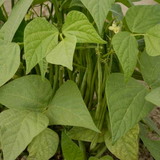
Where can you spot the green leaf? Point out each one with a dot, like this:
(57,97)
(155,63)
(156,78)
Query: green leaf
(154,97)
(28,92)
(98,10)
(126,148)
(78,25)
(18,128)
(63,53)
(44,145)
(76,3)
(70,150)
(150,69)
(126,48)
(106,158)
(68,108)
(1,2)
(9,61)
(15,18)
(152,145)
(84,134)
(143,17)
(117,12)
(152,40)
(40,38)
(127,3)
(126,103)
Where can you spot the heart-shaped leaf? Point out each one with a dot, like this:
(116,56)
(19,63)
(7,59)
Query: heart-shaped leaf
(18,128)
(68,108)
(126,148)
(99,10)
(152,40)
(40,38)
(63,53)
(126,103)
(126,48)
(140,18)
(28,92)
(78,25)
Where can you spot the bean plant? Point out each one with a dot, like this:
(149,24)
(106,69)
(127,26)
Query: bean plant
(78,81)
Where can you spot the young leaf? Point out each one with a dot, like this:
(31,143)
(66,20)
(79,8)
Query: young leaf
(98,10)
(40,38)
(84,134)
(141,18)
(152,40)
(126,48)
(127,104)
(117,12)
(15,18)
(152,145)
(44,145)
(154,97)
(70,150)
(150,68)
(78,25)
(18,128)
(28,92)
(63,53)
(9,61)
(68,108)
(126,148)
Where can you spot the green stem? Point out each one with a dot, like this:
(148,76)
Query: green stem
(83,85)
(51,74)
(77,65)
(12,3)
(5,12)
(138,34)
(55,79)
(37,70)
(100,153)
(83,149)
(61,69)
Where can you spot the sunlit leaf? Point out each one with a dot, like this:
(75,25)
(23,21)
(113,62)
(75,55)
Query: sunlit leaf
(18,128)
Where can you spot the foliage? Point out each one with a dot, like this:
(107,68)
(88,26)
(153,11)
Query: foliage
(79,81)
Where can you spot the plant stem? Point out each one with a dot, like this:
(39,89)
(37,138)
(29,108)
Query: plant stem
(55,79)
(100,153)
(51,74)
(83,148)
(5,12)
